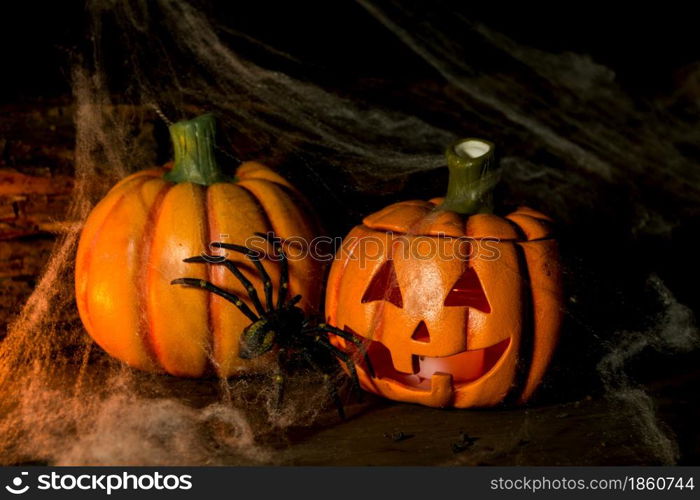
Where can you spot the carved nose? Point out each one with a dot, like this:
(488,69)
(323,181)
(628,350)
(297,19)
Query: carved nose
(421,334)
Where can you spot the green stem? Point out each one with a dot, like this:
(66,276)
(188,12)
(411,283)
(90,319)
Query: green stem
(194,142)
(473,175)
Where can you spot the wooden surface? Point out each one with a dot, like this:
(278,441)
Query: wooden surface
(35,182)
(591,431)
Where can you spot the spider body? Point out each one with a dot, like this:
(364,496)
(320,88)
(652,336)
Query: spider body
(261,336)
(282,326)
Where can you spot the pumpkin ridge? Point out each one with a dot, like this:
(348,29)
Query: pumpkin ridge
(178,344)
(527,333)
(87,256)
(517,228)
(536,214)
(382,220)
(286,219)
(153,172)
(263,211)
(543,286)
(533,228)
(254,170)
(261,208)
(424,226)
(207,229)
(258,203)
(300,200)
(145,326)
(336,286)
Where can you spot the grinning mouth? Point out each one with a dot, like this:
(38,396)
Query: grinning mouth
(464,367)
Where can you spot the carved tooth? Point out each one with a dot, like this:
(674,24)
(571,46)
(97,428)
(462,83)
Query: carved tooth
(441,388)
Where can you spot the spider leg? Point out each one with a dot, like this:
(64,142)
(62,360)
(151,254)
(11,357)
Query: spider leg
(330,385)
(280,380)
(345,358)
(205,285)
(333,390)
(279,390)
(231,266)
(284,267)
(254,257)
(325,327)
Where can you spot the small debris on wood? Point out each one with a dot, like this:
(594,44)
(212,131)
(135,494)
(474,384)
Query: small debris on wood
(465,441)
(397,436)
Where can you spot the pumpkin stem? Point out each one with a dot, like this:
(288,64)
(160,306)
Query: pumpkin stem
(473,175)
(194,142)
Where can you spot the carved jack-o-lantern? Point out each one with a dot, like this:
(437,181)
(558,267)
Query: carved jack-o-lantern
(458,307)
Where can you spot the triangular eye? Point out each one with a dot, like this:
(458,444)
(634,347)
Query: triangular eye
(384,286)
(421,334)
(467,291)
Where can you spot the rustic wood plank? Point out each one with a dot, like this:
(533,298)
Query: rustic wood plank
(36,169)
(31,204)
(17,183)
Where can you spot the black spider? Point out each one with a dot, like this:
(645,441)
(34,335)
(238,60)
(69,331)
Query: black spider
(281,326)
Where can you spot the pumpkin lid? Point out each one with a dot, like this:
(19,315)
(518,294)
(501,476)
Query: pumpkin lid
(425,218)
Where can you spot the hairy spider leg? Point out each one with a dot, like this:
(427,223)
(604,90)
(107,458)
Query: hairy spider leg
(323,342)
(231,266)
(293,301)
(345,358)
(198,283)
(276,243)
(279,379)
(325,327)
(254,257)
(330,385)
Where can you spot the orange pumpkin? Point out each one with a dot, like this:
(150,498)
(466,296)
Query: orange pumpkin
(134,242)
(458,307)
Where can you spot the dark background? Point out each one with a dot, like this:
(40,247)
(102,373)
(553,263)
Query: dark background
(645,45)
(338,45)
